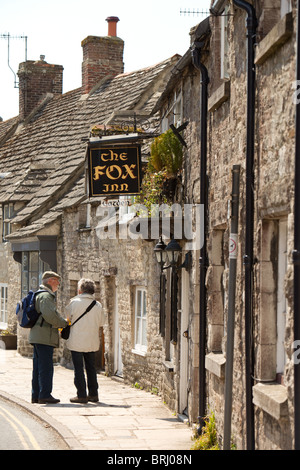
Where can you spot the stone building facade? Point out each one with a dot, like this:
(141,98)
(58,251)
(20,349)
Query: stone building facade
(189,371)
(222,48)
(118,268)
(272,189)
(48,221)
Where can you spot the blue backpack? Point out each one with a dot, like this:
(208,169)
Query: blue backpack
(26,313)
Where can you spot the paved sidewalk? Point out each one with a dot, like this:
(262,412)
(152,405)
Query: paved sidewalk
(124,419)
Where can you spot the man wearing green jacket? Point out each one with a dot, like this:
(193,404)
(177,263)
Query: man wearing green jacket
(44,338)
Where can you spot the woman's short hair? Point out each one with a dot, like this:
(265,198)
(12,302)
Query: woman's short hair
(86,286)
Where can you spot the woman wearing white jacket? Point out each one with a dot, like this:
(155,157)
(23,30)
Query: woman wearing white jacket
(84,340)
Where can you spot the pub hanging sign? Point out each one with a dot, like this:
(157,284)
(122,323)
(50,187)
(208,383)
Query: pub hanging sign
(114,169)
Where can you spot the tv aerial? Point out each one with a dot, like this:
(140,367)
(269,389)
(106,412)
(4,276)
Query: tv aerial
(8,37)
(193,12)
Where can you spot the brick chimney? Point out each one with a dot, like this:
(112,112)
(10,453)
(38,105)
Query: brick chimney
(35,80)
(102,56)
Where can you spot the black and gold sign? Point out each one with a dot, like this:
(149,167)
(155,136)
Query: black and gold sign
(114,170)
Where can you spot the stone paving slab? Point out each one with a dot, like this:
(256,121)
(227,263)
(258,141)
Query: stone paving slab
(125,418)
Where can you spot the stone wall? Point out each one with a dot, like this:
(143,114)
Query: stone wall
(188,192)
(3,261)
(13,271)
(119,266)
(191,195)
(273,193)
(227,143)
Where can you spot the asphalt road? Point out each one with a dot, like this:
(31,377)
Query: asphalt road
(19,430)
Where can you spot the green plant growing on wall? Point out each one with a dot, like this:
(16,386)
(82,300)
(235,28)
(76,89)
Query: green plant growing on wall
(162,170)
(138,386)
(166,154)
(152,189)
(208,438)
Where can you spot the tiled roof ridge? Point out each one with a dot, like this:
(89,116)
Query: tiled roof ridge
(150,67)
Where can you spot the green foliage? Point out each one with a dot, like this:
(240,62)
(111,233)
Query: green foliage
(6,333)
(208,438)
(164,164)
(152,189)
(138,386)
(166,153)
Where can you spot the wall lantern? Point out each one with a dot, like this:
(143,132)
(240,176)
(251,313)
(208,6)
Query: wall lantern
(170,253)
(160,253)
(173,251)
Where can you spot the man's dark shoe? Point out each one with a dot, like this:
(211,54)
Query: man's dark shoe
(78,400)
(50,400)
(34,400)
(93,399)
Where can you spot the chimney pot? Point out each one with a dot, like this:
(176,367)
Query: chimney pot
(112,25)
(102,57)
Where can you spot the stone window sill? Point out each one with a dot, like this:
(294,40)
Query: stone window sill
(169,366)
(215,363)
(281,32)
(271,398)
(219,97)
(84,229)
(139,352)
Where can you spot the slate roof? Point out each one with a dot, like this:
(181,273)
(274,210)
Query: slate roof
(43,159)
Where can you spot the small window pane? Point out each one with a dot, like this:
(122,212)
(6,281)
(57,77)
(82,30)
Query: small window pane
(25,260)
(6,211)
(141,320)
(3,304)
(144,305)
(34,261)
(33,281)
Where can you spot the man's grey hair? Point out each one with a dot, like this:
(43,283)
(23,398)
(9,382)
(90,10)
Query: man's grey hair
(87,286)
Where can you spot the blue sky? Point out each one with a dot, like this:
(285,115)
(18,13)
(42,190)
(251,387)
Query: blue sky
(152,31)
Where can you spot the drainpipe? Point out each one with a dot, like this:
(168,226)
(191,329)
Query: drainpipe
(203,261)
(249,223)
(296,251)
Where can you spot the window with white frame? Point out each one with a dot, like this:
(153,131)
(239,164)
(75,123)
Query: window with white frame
(178,109)
(173,115)
(7,213)
(140,341)
(3,305)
